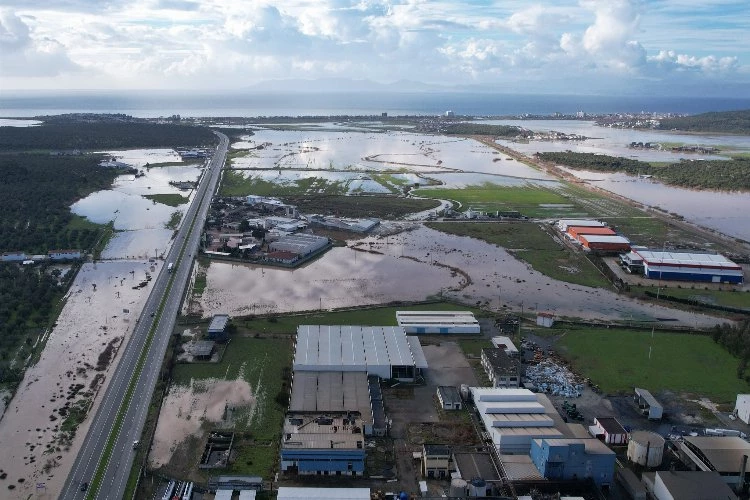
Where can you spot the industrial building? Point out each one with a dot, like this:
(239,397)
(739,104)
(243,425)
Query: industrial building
(347,224)
(507,345)
(301,244)
(564,224)
(64,254)
(298,493)
(476,464)
(646,448)
(512,418)
(385,351)
(217,329)
(604,243)
(576,231)
(449,398)
(688,266)
(726,455)
(436,461)
(445,322)
(566,459)
(687,485)
(742,408)
(609,430)
(647,404)
(501,369)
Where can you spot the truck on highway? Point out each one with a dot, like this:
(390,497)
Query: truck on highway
(170,266)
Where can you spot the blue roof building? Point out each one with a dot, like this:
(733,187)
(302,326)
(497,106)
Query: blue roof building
(569,459)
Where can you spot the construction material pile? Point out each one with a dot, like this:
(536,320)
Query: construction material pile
(554,379)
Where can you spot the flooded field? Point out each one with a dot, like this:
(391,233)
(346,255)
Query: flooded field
(80,353)
(614,141)
(412,265)
(186,409)
(722,211)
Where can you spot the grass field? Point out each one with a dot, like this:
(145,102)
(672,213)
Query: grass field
(235,183)
(171,199)
(491,197)
(261,362)
(618,360)
(533,244)
(382,207)
(715,297)
(381,316)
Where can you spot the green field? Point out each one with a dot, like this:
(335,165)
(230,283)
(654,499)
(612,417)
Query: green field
(531,243)
(714,297)
(381,316)
(618,360)
(262,363)
(490,197)
(235,183)
(170,199)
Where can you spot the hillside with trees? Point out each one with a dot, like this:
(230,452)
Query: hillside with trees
(726,122)
(727,175)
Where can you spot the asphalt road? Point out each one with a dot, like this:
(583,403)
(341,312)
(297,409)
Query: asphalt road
(121,459)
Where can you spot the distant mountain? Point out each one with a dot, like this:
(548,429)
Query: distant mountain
(732,122)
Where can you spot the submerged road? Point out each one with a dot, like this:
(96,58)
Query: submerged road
(168,291)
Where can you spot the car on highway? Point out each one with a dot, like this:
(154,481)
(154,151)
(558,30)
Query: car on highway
(84,486)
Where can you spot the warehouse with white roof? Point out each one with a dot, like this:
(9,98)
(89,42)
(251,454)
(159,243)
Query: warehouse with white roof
(689,266)
(444,322)
(384,351)
(563,224)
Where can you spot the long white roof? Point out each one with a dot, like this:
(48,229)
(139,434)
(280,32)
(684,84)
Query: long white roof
(355,348)
(298,493)
(688,259)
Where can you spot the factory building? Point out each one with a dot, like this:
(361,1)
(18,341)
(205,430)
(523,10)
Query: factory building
(742,408)
(689,266)
(501,369)
(726,455)
(444,322)
(64,254)
(571,459)
(301,244)
(384,351)
(576,231)
(604,243)
(436,461)
(449,397)
(300,493)
(512,418)
(564,224)
(687,485)
(609,430)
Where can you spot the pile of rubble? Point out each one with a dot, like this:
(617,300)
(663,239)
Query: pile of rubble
(554,379)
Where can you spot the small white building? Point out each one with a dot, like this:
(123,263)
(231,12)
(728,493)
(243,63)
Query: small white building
(449,397)
(545,319)
(609,430)
(507,345)
(742,408)
(442,322)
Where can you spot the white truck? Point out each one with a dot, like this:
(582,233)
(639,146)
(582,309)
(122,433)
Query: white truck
(170,266)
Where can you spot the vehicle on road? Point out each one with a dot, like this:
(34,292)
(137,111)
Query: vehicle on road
(170,266)
(84,486)
(135,444)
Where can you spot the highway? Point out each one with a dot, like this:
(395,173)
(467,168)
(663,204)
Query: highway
(93,450)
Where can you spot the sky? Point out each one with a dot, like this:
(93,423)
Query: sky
(658,47)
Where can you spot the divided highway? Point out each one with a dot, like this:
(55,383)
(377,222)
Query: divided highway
(159,313)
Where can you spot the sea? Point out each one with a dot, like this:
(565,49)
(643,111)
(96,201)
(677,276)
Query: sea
(153,104)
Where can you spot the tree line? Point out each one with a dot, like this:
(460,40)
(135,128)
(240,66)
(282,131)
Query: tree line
(736,340)
(731,122)
(730,175)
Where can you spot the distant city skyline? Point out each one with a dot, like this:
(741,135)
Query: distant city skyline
(657,47)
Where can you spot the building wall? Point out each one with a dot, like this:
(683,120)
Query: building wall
(324,462)
(743,407)
(715,276)
(570,461)
(436,466)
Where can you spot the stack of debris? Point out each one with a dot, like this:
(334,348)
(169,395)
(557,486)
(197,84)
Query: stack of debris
(557,380)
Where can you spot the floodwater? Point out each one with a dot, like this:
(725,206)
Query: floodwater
(725,212)
(138,244)
(373,152)
(10,122)
(140,157)
(412,265)
(343,277)
(187,409)
(92,318)
(614,141)
(124,202)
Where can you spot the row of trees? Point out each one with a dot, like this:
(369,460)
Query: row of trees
(736,340)
(468,128)
(731,175)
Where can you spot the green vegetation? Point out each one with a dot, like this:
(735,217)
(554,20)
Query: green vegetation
(618,360)
(200,282)
(234,183)
(532,243)
(483,129)
(473,347)
(490,197)
(697,174)
(383,207)
(170,199)
(69,134)
(28,296)
(728,298)
(174,220)
(731,122)
(384,316)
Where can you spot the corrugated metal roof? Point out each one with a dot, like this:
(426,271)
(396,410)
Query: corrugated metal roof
(296,493)
(658,258)
(218,323)
(595,238)
(247,494)
(647,397)
(420,361)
